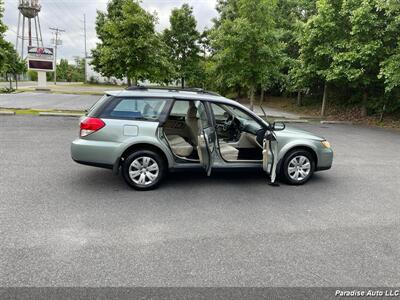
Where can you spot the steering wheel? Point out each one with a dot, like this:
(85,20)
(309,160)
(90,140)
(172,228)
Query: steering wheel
(228,123)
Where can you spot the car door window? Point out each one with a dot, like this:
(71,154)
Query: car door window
(135,109)
(180,108)
(247,121)
(220,114)
(202,115)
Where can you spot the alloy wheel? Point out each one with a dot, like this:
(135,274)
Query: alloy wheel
(299,168)
(144,170)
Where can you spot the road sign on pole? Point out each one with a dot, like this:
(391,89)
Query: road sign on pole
(41,59)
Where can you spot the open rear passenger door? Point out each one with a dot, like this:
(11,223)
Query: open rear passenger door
(206,139)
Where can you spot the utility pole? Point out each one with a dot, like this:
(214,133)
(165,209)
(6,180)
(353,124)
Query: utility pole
(56,43)
(84,33)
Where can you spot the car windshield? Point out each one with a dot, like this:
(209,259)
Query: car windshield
(244,118)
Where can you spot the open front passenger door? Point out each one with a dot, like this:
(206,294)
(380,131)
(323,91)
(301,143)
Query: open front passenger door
(270,148)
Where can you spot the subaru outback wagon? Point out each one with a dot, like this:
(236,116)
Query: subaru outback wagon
(147,131)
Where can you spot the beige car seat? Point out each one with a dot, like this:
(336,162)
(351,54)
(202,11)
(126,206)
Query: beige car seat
(192,123)
(227,151)
(179,146)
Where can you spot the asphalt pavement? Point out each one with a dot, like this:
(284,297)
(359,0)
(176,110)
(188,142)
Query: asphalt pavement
(63,224)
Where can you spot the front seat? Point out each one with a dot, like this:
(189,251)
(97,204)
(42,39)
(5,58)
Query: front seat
(179,146)
(192,123)
(227,151)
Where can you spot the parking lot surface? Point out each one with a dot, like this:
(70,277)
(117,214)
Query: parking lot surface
(62,224)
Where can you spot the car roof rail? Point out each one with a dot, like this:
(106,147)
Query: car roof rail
(171,89)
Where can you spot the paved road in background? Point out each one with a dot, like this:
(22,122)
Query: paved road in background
(80,102)
(47,101)
(4,84)
(63,224)
(33,84)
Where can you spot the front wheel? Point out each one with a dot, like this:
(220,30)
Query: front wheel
(298,167)
(143,170)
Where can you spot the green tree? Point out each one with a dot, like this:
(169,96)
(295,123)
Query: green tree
(367,43)
(321,38)
(129,46)
(13,65)
(63,70)
(247,51)
(32,75)
(290,17)
(3,43)
(78,71)
(182,40)
(390,67)
(227,10)
(349,43)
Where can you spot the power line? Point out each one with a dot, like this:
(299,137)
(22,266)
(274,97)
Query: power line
(84,30)
(57,31)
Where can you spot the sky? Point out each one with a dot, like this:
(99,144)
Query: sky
(68,15)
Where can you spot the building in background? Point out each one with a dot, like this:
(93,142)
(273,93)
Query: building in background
(94,77)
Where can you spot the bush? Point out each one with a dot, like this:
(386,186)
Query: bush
(7,90)
(33,75)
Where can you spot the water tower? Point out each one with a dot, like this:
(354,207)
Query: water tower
(28,20)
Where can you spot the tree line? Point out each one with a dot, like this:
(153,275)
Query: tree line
(341,52)
(66,72)
(347,51)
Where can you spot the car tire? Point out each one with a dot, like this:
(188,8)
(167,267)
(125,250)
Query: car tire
(143,170)
(298,167)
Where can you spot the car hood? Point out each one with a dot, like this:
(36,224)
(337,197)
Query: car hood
(290,131)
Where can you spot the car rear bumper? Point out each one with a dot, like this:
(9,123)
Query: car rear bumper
(92,164)
(94,153)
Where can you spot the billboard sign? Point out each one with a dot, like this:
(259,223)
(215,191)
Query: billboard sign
(40,59)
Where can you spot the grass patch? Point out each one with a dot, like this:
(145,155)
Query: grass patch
(60,91)
(26,112)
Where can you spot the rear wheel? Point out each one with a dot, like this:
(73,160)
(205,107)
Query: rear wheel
(143,170)
(298,167)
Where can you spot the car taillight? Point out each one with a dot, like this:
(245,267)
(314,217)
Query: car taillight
(90,125)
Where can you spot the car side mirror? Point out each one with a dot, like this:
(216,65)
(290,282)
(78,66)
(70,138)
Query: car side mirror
(278,126)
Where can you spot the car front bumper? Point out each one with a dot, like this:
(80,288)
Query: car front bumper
(325,159)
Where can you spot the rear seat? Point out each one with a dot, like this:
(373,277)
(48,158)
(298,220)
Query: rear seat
(179,146)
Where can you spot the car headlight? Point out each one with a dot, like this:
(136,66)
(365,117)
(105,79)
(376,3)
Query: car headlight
(326,144)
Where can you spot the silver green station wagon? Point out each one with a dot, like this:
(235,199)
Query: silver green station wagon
(147,131)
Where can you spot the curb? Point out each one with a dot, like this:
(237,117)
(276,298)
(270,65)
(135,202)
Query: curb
(337,122)
(310,117)
(59,114)
(7,113)
(279,117)
(275,117)
(293,121)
